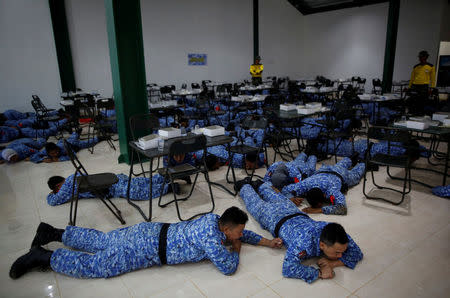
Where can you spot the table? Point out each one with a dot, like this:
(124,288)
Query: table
(248,98)
(377,100)
(155,153)
(438,133)
(321,94)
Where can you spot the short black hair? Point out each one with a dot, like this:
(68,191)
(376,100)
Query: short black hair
(332,233)
(233,216)
(210,161)
(53,181)
(50,146)
(315,197)
(251,157)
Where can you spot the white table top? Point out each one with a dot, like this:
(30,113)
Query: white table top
(248,98)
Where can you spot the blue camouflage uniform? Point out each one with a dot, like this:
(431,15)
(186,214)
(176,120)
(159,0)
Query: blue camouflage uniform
(16,115)
(73,140)
(139,189)
(123,250)
(329,184)
(27,122)
(8,134)
(25,147)
(301,166)
(300,234)
(52,130)
(442,191)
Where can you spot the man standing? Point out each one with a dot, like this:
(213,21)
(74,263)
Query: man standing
(102,255)
(422,78)
(256,70)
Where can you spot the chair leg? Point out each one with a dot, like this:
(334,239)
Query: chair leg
(113,208)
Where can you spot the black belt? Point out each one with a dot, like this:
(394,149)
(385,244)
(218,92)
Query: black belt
(163,244)
(344,186)
(283,220)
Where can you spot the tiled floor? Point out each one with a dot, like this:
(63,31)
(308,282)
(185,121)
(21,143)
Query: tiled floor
(406,248)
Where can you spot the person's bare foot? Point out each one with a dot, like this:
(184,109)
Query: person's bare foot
(297,201)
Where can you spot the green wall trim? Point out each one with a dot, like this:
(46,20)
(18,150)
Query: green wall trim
(391,42)
(255,29)
(62,44)
(126,51)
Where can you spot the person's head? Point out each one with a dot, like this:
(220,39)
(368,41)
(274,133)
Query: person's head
(52,149)
(232,223)
(55,183)
(333,241)
(423,56)
(10,155)
(184,122)
(250,161)
(257,59)
(212,162)
(315,197)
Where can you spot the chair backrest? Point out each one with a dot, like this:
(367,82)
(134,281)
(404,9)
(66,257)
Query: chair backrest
(395,137)
(105,104)
(184,86)
(195,86)
(38,106)
(187,145)
(79,168)
(143,124)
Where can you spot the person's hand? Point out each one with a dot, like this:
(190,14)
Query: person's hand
(276,243)
(236,245)
(312,210)
(326,272)
(55,159)
(323,262)
(297,201)
(2,161)
(47,160)
(178,158)
(27,159)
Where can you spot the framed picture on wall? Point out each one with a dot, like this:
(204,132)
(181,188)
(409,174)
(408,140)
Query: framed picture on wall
(443,75)
(197,59)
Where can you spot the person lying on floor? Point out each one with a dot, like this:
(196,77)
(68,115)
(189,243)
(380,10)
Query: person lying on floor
(61,188)
(325,190)
(104,255)
(281,174)
(56,152)
(20,149)
(442,191)
(15,115)
(7,134)
(303,237)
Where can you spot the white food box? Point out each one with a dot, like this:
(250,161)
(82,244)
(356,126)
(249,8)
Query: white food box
(169,132)
(440,116)
(214,130)
(326,89)
(288,107)
(303,110)
(366,96)
(313,105)
(447,122)
(417,124)
(310,89)
(148,142)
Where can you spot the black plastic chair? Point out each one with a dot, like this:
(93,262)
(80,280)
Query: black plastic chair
(395,138)
(98,127)
(377,87)
(195,86)
(171,173)
(142,125)
(249,122)
(97,184)
(42,115)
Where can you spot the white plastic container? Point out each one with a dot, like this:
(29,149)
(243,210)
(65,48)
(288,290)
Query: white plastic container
(440,116)
(148,142)
(366,96)
(447,122)
(214,130)
(304,110)
(313,105)
(417,124)
(169,132)
(288,107)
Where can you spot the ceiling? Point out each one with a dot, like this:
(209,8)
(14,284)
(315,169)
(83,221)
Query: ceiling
(316,6)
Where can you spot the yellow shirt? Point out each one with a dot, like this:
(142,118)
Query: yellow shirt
(256,70)
(423,74)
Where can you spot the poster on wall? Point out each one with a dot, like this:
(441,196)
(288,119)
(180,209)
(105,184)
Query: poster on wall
(197,59)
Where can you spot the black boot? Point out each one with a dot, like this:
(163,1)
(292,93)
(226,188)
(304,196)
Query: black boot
(36,257)
(175,187)
(45,233)
(354,158)
(188,180)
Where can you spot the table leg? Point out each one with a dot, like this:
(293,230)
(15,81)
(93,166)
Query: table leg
(150,203)
(446,164)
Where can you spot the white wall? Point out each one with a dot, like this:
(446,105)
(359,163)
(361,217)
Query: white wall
(28,63)
(86,21)
(220,29)
(418,29)
(281,39)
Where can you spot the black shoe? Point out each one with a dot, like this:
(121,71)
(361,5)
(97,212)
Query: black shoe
(372,167)
(188,180)
(175,187)
(45,233)
(354,158)
(36,257)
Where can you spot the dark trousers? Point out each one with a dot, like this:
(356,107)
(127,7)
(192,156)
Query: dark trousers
(418,99)
(256,80)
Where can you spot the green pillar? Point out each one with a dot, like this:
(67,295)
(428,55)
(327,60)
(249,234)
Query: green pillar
(391,40)
(126,50)
(62,44)
(255,29)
